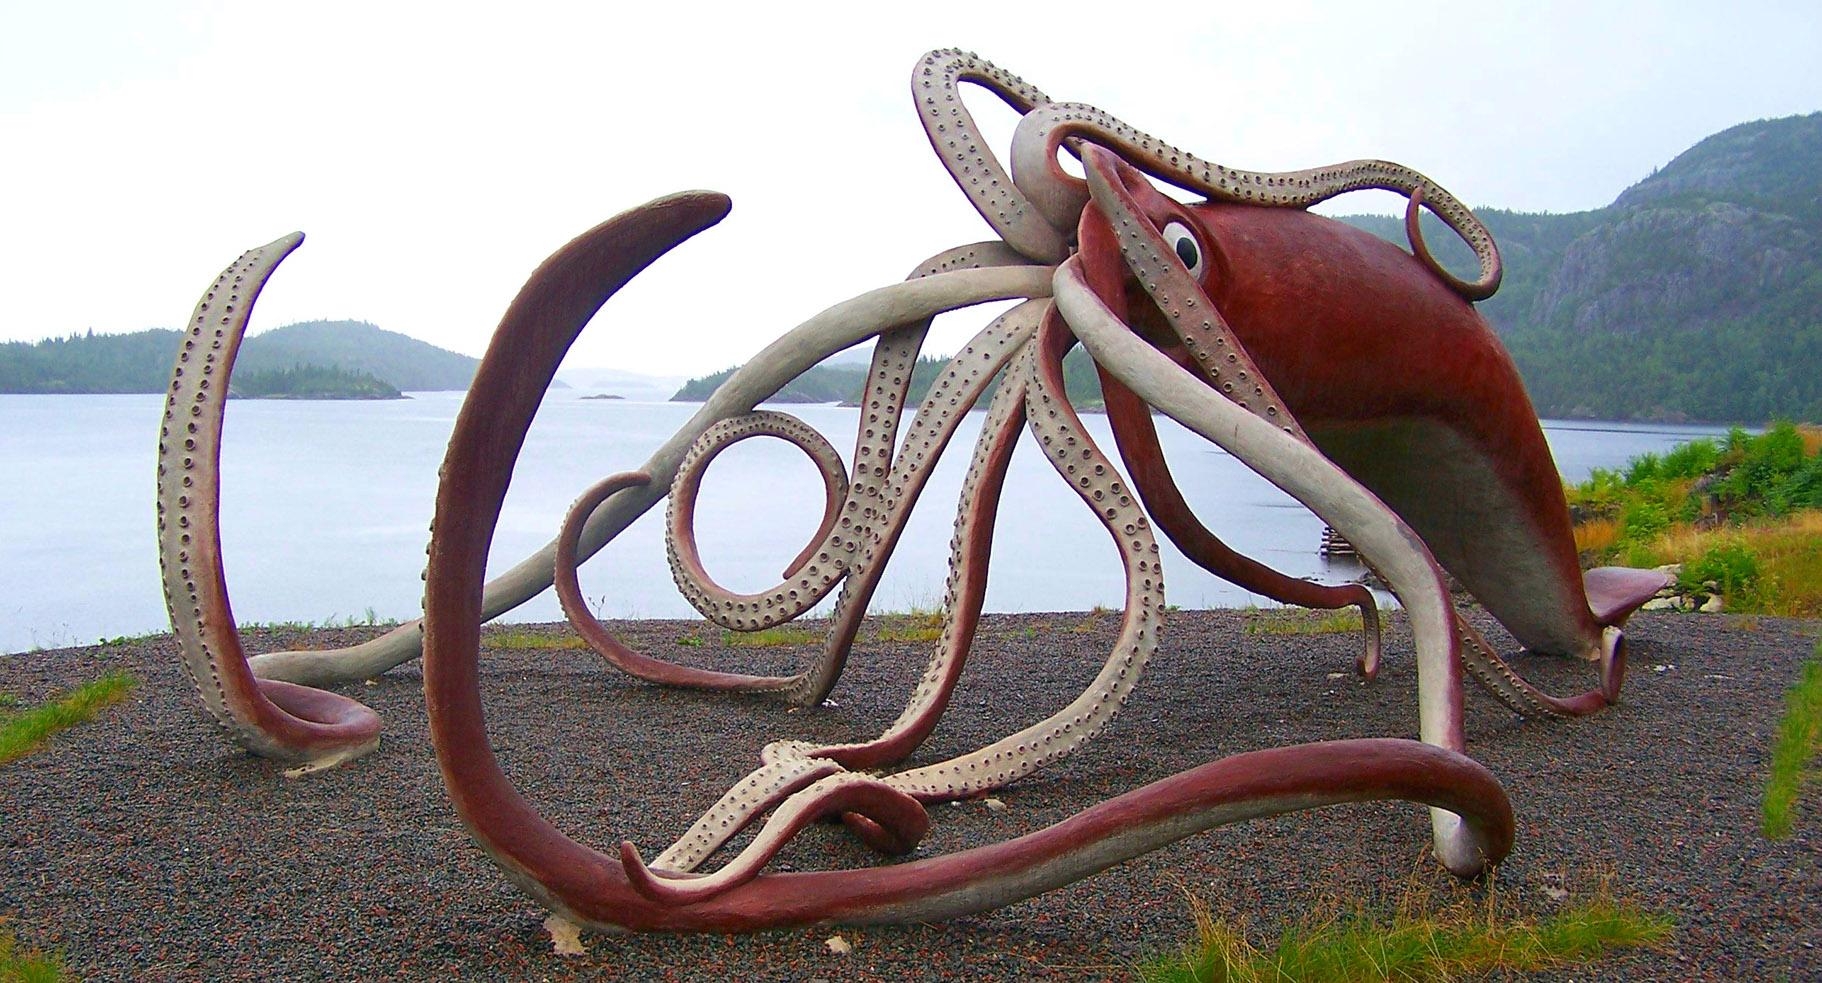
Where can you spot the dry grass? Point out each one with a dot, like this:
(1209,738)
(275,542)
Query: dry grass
(1812,438)
(1596,535)
(1787,552)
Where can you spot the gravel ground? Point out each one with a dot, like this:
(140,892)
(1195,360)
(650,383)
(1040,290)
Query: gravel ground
(147,848)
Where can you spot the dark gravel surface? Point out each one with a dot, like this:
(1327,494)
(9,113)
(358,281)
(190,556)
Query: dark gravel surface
(147,848)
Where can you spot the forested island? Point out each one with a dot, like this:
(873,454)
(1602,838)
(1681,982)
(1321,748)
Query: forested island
(311,382)
(1695,296)
(332,359)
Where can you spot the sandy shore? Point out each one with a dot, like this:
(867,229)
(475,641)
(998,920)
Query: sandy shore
(148,848)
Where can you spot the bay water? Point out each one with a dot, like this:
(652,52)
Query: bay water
(326,508)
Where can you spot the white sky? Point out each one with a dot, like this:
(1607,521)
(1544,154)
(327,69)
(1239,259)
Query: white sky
(434,154)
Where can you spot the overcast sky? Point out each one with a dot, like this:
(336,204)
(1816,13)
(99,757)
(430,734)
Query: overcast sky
(434,154)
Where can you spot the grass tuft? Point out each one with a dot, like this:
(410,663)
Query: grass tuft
(19,965)
(915,625)
(519,640)
(1798,743)
(770,637)
(1412,942)
(22,732)
(1300,621)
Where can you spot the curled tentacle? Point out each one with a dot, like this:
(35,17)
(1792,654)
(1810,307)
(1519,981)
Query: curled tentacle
(1046,129)
(898,821)
(1515,691)
(308,728)
(808,578)
(575,608)
(959,144)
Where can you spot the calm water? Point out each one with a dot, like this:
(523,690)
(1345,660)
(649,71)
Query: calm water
(326,506)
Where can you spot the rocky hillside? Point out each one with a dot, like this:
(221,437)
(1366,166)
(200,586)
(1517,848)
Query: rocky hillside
(1696,295)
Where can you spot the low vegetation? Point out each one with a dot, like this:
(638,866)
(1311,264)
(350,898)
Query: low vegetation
(915,625)
(23,731)
(21,965)
(313,382)
(770,637)
(1417,940)
(1797,746)
(1741,515)
(1301,621)
(523,640)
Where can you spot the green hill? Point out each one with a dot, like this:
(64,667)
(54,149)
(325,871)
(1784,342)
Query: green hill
(141,362)
(401,361)
(1696,295)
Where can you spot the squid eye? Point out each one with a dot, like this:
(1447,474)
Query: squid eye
(1183,243)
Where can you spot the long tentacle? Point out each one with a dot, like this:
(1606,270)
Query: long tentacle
(1046,129)
(1137,437)
(305,727)
(830,331)
(1328,491)
(959,144)
(592,888)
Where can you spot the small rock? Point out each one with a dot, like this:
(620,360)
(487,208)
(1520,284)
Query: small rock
(1556,893)
(565,936)
(1659,604)
(1713,605)
(995,805)
(838,945)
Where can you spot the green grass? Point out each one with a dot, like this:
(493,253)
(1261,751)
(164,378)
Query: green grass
(1299,621)
(22,732)
(518,640)
(770,637)
(915,625)
(29,965)
(1798,743)
(1411,943)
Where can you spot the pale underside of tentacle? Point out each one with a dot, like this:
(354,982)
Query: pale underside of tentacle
(307,728)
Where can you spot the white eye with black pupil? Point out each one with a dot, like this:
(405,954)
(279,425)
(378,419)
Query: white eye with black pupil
(1183,242)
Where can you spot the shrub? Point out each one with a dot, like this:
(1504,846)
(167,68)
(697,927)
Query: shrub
(1729,564)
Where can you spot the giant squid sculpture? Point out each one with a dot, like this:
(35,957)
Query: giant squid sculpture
(1351,373)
